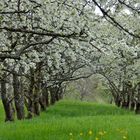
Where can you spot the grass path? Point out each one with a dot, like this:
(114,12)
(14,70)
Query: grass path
(69,120)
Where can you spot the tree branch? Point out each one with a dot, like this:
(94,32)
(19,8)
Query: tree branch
(114,21)
(52,34)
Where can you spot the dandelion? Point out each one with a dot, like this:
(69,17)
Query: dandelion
(90,132)
(70,134)
(101,133)
(124,137)
(96,138)
(81,134)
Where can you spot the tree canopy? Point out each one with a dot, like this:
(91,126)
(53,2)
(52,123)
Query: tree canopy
(44,44)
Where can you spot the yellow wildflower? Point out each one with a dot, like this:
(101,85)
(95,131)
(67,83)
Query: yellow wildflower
(90,132)
(81,134)
(96,138)
(70,134)
(124,137)
(101,133)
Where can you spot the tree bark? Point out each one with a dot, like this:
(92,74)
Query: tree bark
(118,101)
(36,105)
(52,95)
(18,97)
(8,106)
(137,111)
(30,102)
(30,108)
(44,99)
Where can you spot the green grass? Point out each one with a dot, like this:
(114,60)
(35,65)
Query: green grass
(67,117)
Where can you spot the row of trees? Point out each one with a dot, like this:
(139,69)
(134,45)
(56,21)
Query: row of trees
(120,69)
(45,43)
(43,46)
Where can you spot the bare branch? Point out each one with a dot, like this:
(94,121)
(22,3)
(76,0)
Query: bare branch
(117,24)
(52,34)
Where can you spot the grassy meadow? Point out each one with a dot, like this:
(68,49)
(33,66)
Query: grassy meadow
(74,120)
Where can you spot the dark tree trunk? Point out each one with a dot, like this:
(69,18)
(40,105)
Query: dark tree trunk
(137,111)
(44,99)
(138,100)
(118,101)
(36,105)
(19,98)
(30,98)
(52,100)
(52,95)
(61,92)
(42,104)
(30,108)
(131,102)
(36,108)
(132,106)
(8,106)
(57,94)
(124,102)
(125,105)
(37,88)
(46,96)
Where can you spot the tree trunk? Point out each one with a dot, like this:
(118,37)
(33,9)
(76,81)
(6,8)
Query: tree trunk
(30,108)
(57,92)
(42,103)
(46,96)
(8,106)
(125,104)
(19,98)
(137,111)
(37,88)
(44,99)
(138,100)
(30,98)
(52,94)
(60,92)
(132,106)
(132,102)
(36,105)
(118,101)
